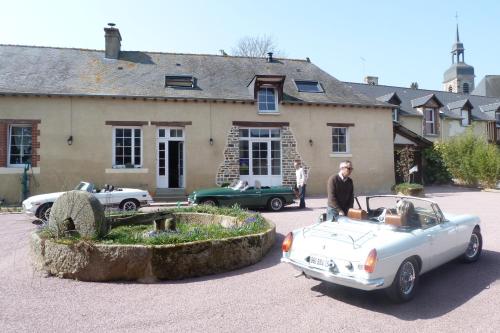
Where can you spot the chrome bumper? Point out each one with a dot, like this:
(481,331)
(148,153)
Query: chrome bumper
(348,281)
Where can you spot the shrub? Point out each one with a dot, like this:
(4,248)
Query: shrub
(435,171)
(405,163)
(409,189)
(471,159)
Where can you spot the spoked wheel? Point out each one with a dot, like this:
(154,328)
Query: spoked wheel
(275,204)
(44,212)
(209,202)
(405,283)
(474,248)
(129,205)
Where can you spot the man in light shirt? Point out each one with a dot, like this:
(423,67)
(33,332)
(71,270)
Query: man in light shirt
(301,182)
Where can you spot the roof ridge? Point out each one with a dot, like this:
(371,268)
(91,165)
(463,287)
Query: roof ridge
(440,91)
(152,52)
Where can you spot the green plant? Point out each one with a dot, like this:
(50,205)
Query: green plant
(471,159)
(435,171)
(405,163)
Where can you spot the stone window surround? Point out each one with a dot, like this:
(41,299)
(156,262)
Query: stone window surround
(4,140)
(229,168)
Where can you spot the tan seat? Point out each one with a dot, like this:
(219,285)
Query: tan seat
(357,214)
(395,220)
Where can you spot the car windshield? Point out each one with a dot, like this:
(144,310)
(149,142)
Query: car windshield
(403,211)
(83,186)
(240,184)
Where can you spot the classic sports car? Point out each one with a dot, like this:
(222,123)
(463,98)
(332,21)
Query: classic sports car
(387,246)
(124,198)
(239,192)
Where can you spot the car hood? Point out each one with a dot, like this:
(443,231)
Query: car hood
(44,197)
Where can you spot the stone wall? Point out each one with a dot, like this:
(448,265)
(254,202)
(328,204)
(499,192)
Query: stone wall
(229,168)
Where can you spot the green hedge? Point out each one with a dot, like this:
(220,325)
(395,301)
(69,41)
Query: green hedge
(471,159)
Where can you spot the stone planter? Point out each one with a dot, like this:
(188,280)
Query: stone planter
(100,262)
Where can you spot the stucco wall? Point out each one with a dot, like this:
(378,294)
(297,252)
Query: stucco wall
(62,166)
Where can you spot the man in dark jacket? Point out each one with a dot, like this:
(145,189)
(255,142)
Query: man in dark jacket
(340,192)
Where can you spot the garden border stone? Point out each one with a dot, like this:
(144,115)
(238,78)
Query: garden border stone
(87,261)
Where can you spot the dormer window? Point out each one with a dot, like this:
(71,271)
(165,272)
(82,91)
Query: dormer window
(309,86)
(430,121)
(267,99)
(465,117)
(395,114)
(180,81)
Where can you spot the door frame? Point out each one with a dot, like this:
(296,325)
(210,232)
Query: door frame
(166,138)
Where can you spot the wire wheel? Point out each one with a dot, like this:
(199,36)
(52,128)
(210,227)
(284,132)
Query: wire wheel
(129,205)
(473,247)
(407,278)
(276,204)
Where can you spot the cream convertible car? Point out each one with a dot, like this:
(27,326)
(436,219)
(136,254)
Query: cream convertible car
(124,198)
(387,246)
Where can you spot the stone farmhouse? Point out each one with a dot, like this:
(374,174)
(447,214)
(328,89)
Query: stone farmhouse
(171,123)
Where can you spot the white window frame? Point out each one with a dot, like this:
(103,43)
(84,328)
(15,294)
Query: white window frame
(465,119)
(395,114)
(122,166)
(433,122)
(276,110)
(250,139)
(9,144)
(347,142)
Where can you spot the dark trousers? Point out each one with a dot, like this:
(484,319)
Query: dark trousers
(302,196)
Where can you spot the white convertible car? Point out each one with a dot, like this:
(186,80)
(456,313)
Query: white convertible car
(124,198)
(387,246)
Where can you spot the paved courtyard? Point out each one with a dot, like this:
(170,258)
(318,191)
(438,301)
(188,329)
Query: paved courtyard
(264,297)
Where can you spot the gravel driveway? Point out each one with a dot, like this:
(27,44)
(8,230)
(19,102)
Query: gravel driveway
(265,297)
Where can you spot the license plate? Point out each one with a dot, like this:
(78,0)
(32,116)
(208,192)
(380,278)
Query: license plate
(319,262)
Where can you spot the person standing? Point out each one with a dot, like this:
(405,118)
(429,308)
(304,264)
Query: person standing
(340,191)
(301,179)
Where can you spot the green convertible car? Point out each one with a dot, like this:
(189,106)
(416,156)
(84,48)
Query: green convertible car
(239,192)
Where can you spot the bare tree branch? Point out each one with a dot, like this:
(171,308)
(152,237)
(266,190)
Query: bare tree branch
(256,46)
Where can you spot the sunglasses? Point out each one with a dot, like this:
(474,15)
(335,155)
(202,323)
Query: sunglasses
(348,168)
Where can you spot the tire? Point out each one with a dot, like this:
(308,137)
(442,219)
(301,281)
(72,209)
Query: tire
(130,205)
(209,202)
(275,204)
(43,212)
(405,283)
(474,248)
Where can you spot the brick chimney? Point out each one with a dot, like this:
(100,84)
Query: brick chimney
(113,41)
(371,80)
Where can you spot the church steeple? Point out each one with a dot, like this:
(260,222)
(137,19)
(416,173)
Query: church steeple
(457,50)
(459,78)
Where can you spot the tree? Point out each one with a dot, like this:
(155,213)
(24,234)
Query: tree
(256,46)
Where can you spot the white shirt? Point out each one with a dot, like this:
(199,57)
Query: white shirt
(300,176)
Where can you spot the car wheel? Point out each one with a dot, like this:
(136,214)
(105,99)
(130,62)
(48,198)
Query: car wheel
(129,205)
(209,202)
(44,211)
(275,204)
(405,283)
(474,248)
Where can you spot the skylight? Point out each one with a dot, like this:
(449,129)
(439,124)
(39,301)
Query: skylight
(180,81)
(309,86)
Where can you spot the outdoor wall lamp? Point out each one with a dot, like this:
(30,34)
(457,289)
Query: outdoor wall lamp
(70,140)
(310,142)
(211,141)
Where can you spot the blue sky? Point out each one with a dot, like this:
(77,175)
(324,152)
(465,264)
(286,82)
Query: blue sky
(401,42)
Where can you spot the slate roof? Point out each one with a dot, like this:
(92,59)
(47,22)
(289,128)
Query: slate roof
(67,71)
(460,68)
(421,101)
(489,86)
(407,95)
